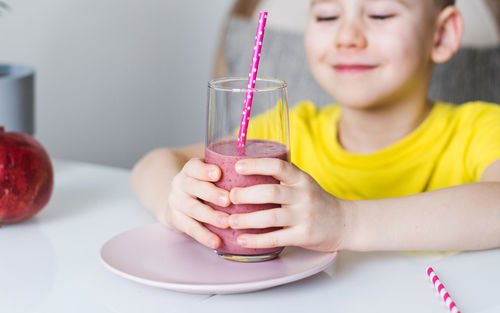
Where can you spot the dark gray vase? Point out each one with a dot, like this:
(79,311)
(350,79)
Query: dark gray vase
(17,98)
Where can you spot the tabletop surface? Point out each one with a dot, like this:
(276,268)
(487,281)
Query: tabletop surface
(51,263)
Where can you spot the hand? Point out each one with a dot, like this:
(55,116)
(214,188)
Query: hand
(185,210)
(311,217)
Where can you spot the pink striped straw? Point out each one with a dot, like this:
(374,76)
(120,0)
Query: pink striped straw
(440,289)
(252,76)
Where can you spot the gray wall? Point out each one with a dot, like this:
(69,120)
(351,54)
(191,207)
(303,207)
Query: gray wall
(115,78)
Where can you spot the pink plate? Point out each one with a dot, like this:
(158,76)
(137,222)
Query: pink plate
(155,256)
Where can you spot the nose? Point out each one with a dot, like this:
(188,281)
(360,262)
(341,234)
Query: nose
(350,35)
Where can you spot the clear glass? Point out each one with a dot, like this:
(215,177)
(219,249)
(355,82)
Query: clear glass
(270,112)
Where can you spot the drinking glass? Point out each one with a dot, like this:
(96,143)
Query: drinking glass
(267,137)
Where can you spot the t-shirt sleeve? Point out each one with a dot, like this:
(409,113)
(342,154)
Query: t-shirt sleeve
(484,140)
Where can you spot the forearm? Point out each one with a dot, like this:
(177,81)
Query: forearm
(152,176)
(465,217)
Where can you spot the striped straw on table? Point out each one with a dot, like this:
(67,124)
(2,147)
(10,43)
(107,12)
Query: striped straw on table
(440,289)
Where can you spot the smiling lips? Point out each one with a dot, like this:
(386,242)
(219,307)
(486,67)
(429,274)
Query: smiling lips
(353,68)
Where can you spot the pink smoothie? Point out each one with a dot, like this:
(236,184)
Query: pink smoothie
(225,155)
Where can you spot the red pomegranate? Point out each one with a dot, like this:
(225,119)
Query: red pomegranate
(26,177)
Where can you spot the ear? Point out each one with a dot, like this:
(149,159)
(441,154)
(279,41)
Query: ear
(449,29)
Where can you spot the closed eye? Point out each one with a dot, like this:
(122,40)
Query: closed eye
(326,18)
(381,17)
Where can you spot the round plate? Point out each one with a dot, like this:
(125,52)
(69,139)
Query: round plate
(156,256)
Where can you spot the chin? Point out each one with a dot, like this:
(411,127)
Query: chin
(357,101)
(351,94)
(361,96)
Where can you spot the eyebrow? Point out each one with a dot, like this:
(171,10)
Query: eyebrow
(313,2)
(403,2)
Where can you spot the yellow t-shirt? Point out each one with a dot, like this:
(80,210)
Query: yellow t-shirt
(452,146)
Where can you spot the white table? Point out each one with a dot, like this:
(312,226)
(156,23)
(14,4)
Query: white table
(51,264)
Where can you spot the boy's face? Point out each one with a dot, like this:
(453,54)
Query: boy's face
(371,53)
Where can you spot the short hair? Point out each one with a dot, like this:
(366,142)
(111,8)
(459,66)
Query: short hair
(444,3)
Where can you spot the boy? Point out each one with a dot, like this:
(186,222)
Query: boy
(385,169)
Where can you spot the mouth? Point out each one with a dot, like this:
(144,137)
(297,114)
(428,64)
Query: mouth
(353,68)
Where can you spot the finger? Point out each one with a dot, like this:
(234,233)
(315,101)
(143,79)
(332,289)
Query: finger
(205,213)
(206,191)
(200,170)
(195,230)
(279,238)
(261,219)
(265,193)
(279,169)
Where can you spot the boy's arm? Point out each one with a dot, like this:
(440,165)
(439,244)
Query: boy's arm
(153,173)
(464,217)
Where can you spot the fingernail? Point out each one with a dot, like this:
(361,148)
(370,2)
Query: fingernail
(222,221)
(213,174)
(232,195)
(240,166)
(233,221)
(223,200)
(213,243)
(242,242)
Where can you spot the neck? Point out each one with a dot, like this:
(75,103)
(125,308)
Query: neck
(367,131)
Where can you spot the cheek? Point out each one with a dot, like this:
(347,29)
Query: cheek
(392,45)
(400,47)
(316,45)
(308,45)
